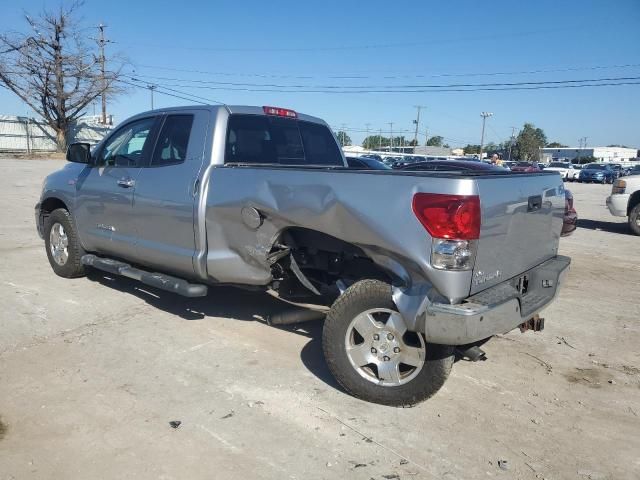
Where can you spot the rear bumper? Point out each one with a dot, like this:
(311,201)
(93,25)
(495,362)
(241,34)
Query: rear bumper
(617,204)
(496,310)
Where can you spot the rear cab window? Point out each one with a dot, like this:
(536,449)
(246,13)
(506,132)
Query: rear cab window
(271,140)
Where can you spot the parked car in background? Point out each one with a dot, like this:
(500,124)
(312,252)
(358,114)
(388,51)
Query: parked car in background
(372,155)
(624,200)
(527,167)
(617,170)
(634,170)
(596,172)
(452,165)
(574,173)
(366,163)
(565,169)
(390,160)
(542,166)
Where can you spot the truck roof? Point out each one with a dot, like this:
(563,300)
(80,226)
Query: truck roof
(238,109)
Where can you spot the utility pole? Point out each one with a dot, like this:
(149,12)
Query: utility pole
(367,137)
(342,131)
(151,89)
(484,116)
(101,43)
(380,141)
(513,136)
(417,122)
(426,136)
(391,136)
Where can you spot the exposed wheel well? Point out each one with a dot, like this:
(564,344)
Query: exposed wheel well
(633,201)
(322,259)
(48,206)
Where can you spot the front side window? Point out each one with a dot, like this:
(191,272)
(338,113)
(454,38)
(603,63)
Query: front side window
(276,140)
(126,147)
(173,140)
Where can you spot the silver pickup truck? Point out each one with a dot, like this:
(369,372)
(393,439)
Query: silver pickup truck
(405,266)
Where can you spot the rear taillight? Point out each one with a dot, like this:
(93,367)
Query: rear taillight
(454,223)
(279,112)
(455,217)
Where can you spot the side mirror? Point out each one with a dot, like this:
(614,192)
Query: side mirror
(79,153)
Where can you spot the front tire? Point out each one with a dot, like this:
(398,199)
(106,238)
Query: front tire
(370,352)
(62,244)
(634,220)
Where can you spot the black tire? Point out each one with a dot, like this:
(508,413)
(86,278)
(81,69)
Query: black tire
(634,219)
(360,297)
(72,267)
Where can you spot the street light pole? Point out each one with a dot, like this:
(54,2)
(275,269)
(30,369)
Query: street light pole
(151,89)
(484,116)
(391,136)
(417,122)
(513,134)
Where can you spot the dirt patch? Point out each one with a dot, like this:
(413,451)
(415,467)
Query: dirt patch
(591,377)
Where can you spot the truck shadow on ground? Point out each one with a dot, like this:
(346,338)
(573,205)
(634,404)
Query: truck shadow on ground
(611,227)
(227,302)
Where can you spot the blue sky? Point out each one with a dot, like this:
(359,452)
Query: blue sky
(417,42)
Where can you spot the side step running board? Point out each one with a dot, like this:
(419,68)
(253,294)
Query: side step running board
(157,280)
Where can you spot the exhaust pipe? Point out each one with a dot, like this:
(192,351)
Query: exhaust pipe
(473,354)
(295,315)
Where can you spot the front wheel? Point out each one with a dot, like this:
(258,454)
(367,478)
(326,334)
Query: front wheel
(634,220)
(63,246)
(370,352)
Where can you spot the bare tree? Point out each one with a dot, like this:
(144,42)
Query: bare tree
(54,69)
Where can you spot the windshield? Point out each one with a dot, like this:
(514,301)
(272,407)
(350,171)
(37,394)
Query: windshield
(559,165)
(595,166)
(523,164)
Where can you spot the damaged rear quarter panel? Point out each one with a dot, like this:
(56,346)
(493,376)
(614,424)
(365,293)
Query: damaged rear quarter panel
(371,210)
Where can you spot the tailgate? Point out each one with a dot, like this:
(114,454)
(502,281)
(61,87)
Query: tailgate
(521,223)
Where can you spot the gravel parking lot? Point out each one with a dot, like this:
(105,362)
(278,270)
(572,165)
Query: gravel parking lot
(93,370)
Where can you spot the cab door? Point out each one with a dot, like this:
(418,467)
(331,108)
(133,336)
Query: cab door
(167,190)
(105,190)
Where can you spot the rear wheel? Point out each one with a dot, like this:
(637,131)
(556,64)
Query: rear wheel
(63,247)
(373,356)
(634,219)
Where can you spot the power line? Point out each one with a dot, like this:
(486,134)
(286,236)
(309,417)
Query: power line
(165,87)
(169,94)
(366,87)
(434,89)
(440,41)
(360,76)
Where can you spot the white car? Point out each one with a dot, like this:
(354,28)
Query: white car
(624,200)
(566,170)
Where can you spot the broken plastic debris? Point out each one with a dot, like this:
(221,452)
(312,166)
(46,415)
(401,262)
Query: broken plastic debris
(503,464)
(175,423)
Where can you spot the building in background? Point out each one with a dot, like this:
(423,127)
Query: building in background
(603,154)
(27,135)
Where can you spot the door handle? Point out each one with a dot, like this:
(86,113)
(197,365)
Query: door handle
(126,183)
